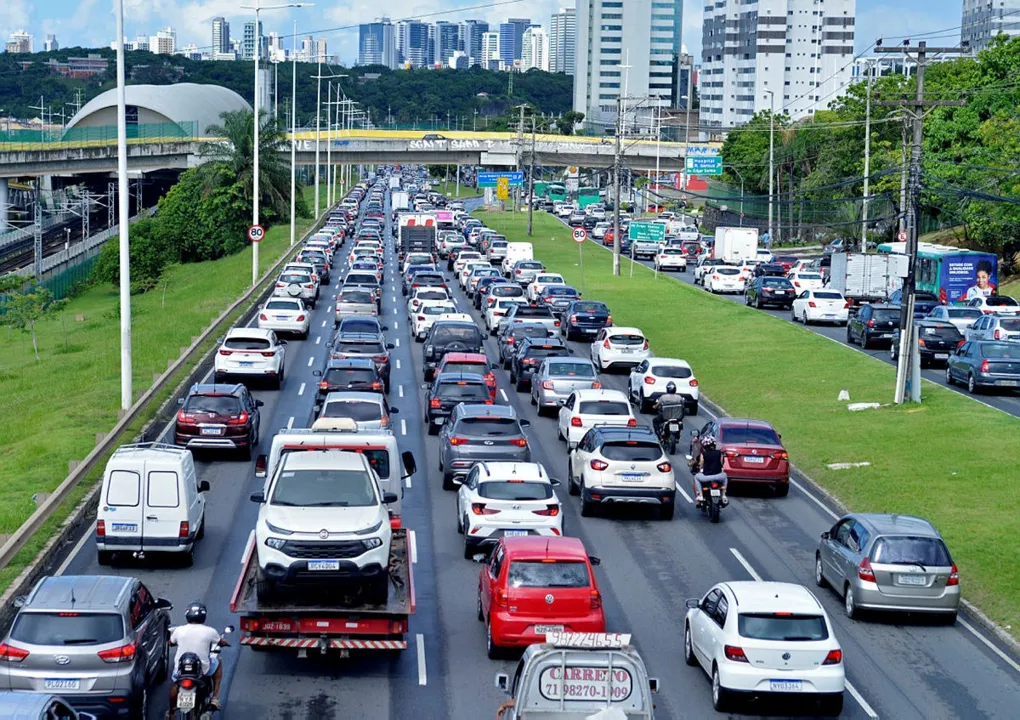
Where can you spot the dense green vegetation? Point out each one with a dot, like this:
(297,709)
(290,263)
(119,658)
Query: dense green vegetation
(407,97)
(970,158)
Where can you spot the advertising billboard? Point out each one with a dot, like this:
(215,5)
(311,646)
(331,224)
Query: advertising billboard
(966,276)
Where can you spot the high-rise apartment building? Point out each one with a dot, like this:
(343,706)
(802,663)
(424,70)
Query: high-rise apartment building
(792,56)
(562,40)
(489,55)
(321,49)
(51,44)
(377,43)
(470,40)
(511,39)
(983,20)
(626,48)
(164,42)
(535,49)
(413,43)
(443,37)
(20,42)
(220,35)
(253,41)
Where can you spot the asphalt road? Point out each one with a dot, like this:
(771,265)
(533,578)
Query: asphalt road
(898,668)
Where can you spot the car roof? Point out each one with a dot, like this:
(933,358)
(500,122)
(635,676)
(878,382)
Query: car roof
(600,394)
(466,357)
(332,459)
(728,422)
(894,524)
(452,377)
(475,410)
(363,363)
(249,332)
(78,592)
(354,396)
(496,471)
(753,596)
(231,389)
(540,548)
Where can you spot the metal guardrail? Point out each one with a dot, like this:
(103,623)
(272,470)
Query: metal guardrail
(49,506)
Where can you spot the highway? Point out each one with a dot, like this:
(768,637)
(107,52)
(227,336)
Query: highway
(902,669)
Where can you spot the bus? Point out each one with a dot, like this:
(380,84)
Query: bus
(540,187)
(587,196)
(952,274)
(556,191)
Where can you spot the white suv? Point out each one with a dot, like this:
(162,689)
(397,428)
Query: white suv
(621,346)
(764,638)
(506,499)
(250,352)
(323,518)
(583,409)
(427,314)
(649,380)
(495,311)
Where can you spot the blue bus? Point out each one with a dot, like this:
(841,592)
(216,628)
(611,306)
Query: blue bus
(952,274)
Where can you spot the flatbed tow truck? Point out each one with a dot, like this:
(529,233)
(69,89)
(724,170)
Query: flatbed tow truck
(321,618)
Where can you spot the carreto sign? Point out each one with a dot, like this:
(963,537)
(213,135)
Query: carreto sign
(585,683)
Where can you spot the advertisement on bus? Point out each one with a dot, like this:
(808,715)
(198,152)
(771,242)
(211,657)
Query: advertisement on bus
(966,276)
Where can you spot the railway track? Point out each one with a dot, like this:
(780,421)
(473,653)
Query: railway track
(18,255)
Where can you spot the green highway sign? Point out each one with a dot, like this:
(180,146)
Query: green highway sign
(651,231)
(711,165)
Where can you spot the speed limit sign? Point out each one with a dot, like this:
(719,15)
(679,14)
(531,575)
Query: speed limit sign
(579,234)
(902,236)
(256,233)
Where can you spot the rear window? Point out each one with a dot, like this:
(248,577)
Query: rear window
(783,627)
(728,271)
(776,282)
(213,404)
(534,331)
(885,314)
(671,371)
(431,295)
(927,551)
(357,296)
(360,325)
(357,410)
(1005,351)
(359,348)
(626,339)
(1000,301)
(494,426)
(283,305)
(466,367)
(454,333)
(632,451)
(604,407)
(557,574)
(123,489)
(808,276)
(299,278)
(499,244)
(750,436)
(437,309)
(361,279)
(590,307)
(821,295)
(67,628)
(349,376)
(467,391)
(242,343)
(507,291)
(525,265)
(561,369)
(945,333)
(1010,324)
(515,491)
(966,313)
(162,490)
(561,291)
(539,351)
(534,311)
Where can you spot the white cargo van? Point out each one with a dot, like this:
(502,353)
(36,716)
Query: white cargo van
(517,251)
(151,501)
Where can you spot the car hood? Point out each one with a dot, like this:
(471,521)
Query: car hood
(314,519)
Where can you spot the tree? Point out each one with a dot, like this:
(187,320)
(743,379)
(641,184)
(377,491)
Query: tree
(569,120)
(26,309)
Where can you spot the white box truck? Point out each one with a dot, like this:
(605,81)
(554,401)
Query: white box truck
(866,277)
(733,244)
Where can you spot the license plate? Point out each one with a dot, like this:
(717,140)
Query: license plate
(715,493)
(829,315)
(1008,383)
(319,565)
(246,364)
(212,431)
(514,533)
(785,685)
(280,317)
(754,459)
(61,684)
(941,356)
(913,580)
(186,700)
(124,527)
(545,629)
(674,425)
(438,420)
(632,477)
(626,351)
(884,335)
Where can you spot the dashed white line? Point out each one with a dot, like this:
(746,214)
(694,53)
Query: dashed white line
(396,324)
(323,322)
(318,339)
(290,422)
(813,499)
(394,311)
(747,566)
(684,493)
(301,390)
(398,364)
(396,342)
(422,674)
(403,427)
(310,361)
(502,394)
(400,390)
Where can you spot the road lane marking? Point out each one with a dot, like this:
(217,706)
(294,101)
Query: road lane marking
(422,674)
(394,311)
(77,549)
(1012,663)
(400,390)
(398,364)
(310,361)
(318,339)
(323,323)
(396,324)
(684,493)
(502,393)
(301,390)
(813,499)
(414,545)
(290,422)
(396,343)
(747,566)
(403,427)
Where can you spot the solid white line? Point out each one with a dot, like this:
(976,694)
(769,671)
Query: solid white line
(422,674)
(414,545)
(747,566)
(813,499)
(398,364)
(403,427)
(290,422)
(89,534)
(1012,663)
(301,390)
(684,493)
(400,388)
(311,359)
(861,701)
(502,393)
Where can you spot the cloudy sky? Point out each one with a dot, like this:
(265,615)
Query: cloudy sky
(92,23)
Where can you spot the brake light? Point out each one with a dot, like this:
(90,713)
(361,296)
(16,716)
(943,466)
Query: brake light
(645,346)
(11,654)
(269,353)
(596,599)
(239,419)
(510,340)
(598,464)
(605,343)
(226,352)
(664,467)
(501,597)
(458,441)
(490,379)
(632,422)
(864,571)
(323,385)
(300,318)
(715,277)
(184,419)
(187,683)
(649,380)
(609,320)
(734,653)
(263,316)
(124,653)
(185,529)
(596,385)
(984,366)
(954,576)
(100,528)
(519,442)
(547,385)
(835,657)
(811,303)
(871,323)
(480,509)
(434,403)
(381,358)
(575,422)
(846,305)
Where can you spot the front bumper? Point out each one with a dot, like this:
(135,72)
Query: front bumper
(282,568)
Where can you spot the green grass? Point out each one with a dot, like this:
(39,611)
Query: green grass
(1011,288)
(949,459)
(51,410)
(449,189)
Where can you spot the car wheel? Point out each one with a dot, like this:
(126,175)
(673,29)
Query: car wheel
(104,558)
(646,404)
(849,335)
(758,304)
(689,656)
(534,402)
(949,377)
(140,703)
(201,528)
(782,489)
(163,671)
(481,616)
(666,510)
(520,385)
(188,558)
(720,695)
(794,318)
(693,408)
(820,580)
(433,428)
(448,483)
(850,603)
(559,432)
(587,506)
(491,649)
(865,342)
(971,385)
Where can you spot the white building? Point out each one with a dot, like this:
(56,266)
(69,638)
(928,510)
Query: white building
(490,51)
(793,56)
(164,42)
(983,20)
(220,36)
(321,50)
(535,49)
(20,42)
(563,40)
(626,48)
(51,44)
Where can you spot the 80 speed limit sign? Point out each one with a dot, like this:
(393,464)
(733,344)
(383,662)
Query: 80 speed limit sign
(256,233)
(579,234)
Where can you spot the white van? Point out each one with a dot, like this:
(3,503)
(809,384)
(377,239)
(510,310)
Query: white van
(517,251)
(151,501)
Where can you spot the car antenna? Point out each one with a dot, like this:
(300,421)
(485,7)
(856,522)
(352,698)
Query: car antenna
(72,598)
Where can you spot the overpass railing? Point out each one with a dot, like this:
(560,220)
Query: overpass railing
(50,138)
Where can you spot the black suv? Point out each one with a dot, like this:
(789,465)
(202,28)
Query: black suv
(584,318)
(873,323)
(450,336)
(529,355)
(361,345)
(358,374)
(446,391)
(936,341)
(770,290)
(513,335)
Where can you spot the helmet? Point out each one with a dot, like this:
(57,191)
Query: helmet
(671,387)
(708,441)
(196,613)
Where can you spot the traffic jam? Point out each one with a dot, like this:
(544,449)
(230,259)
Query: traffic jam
(527,431)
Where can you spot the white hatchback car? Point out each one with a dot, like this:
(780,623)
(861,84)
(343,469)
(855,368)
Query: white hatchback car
(619,346)
(541,281)
(425,295)
(649,380)
(724,279)
(427,314)
(250,352)
(285,315)
(818,306)
(585,408)
(495,311)
(764,638)
(465,272)
(806,280)
(671,258)
(464,258)
(506,499)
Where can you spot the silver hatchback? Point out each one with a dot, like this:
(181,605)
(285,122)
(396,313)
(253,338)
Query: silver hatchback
(888,562)
(369,410)
(98,641)
(557,377)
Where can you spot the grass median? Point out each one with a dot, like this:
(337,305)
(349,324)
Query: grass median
(449,189)
(51,410)
(949,459)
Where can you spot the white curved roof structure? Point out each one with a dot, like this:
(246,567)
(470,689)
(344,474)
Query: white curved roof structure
(180,103)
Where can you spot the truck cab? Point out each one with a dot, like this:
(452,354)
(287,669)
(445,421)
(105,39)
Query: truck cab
(573,676)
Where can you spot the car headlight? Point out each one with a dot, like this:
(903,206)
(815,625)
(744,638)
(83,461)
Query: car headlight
(372,543)
(275,543)
(369,530)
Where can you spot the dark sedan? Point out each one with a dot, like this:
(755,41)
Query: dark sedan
(584,319)
(936,341)
(873,324)
(558,297)
(770,290)
(985,364)
(529,355)
(924,303)
(356,374)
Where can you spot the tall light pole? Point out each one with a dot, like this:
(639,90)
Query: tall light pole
(318,116)
(772,133)
(293,134)
(126,394)
(867,161)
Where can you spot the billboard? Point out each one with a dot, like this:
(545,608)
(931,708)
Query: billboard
(966,276)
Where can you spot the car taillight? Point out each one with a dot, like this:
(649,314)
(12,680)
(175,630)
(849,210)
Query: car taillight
(480,509)
(548,385)
(434,403)
(649,380)
(528,361)
(269,353)
(596,599)
(184,419)
(124,653)
(458,441)
(811,303)
(501,597)
(734,653)
(300,318)
(556,323)
(605,344)
(984,366)
(550,511)
(519,442)
(575,422)
(645,346)
(11,654)
(239,419)
(864,571)
(100,528)
(263,316)
(324,385)
(715,277)
(846,305)
(490,379)
(871,323)
(835,657)
(632,422)
(954,576)
(517,272)
(596,385)
(609,320)
(185,529)
(226,352)
(664,467)
(381,358)
(597,464)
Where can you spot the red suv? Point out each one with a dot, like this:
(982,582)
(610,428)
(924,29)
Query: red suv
(458,362)
(218,416)
(536,585)
(752,451)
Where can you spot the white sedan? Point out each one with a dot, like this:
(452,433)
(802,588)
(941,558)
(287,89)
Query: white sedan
(620,346)
(723,279)
(805,280)
(820,306)
(426,315)
(285,315)
(541,281)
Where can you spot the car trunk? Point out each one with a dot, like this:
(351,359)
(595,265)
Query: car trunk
(784,641)
(518,505)
(828,305)
(940,339)
(531,582)
(565,378)
(246,352)
(211,415)
(907,565)
(490,432)
(636,459)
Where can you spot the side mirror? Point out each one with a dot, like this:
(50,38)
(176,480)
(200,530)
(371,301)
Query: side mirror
(653,684)
(283,342)
(228,629)
(503,682)
(261,463)
(825,535)
(554,482)
(259,497)
(203,486)
(525,423)
(164,604)
(424,386)
(394,411)
(19,601)
(560,402)
(410,467)
(390,498)
(594,560)
(180,401)
(259,403)
(385,327)
(316,373)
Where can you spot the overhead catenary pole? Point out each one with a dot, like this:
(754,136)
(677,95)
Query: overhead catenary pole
(867,161)
(531,179)
(330,175)
(318,116)
(616,190)
(126,393)
(772,171)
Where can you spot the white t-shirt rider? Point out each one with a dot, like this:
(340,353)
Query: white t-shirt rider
(195,638)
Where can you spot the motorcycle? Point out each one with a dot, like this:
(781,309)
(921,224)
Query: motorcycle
(194,688)
(672,426)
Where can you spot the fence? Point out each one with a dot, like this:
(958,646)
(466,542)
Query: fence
(96,136)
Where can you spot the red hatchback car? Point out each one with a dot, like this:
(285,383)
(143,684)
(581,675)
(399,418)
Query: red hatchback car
(458,362)
(752,450)
(218,416)
(534,585)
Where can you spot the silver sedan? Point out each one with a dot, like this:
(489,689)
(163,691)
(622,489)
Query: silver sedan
(557,377)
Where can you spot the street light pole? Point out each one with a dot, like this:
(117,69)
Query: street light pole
(318,116)
(293,134)
(126,394)
(772,132)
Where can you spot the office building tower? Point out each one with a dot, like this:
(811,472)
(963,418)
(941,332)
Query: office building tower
(164,42)
(791,56)
(443,38)
(983,20)
(413,43)
(377,43)
(489,57)
(253,41)
(562,40)
(51,44)
(535,49)
(220,35)
(511,39)
(470,40)
(626,50)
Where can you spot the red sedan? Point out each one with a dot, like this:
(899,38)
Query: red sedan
(752,451)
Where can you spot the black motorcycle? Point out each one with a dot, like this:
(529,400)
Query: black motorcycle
(671,426)
(194,688)
(711,499)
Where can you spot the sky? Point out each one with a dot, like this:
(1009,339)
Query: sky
(91,23)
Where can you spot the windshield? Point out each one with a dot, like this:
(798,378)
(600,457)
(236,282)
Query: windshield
(67,628)
(324,488)
(926,551)
(491,426)
(291,305)
(789,628)
(213,404)
(750,436)
(515,490)
(562,369)
(603,407)
(350,376)
(556,574)
(632,451)
(243,343)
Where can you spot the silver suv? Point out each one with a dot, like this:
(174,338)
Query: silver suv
(98,641)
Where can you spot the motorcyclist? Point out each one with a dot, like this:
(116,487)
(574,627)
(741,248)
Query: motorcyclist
(197,637)
(670,399)
(710,469)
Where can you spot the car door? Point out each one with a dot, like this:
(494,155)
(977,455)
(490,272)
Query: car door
(957,364)
(490,579)
(717,634)
(844,552)
(800,304)
(701,627)
(466,492)
(829,553)
(578,457)
(637,377)
(596,344)
(165,507)
(566,409)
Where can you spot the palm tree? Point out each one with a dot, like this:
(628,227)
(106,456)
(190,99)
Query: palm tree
(232,159)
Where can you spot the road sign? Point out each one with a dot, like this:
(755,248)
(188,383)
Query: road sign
(490,179)
(704,150)
(579,234)
(650,231)
(902,237)
(711,165)
(256,233)
(502,188)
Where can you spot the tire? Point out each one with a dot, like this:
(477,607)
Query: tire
(689,657)
(433,428)
(820,580)
(645,403)
(713,511)
(865,343)
(481,616)
(950,381)
(667,510)
(831,705)
(850,603)
(849,335)
(672,446)
(693,409)
(104,558)
(163,671)
(521,385)
(972,387)
(587,506)
(491,649)
(140,703)
(469,552)
(720,695)
(559,433)
(794,318)
(535,402)
(758,304)
(448,483)
(460,523)
(782,489)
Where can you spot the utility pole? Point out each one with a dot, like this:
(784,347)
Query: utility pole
(867,162)
(903,175)
(293,134)
(772,171)
(908,361)
(37,247)
(123,251)
(616,190)
(318,116)
(520,150)
(531,178)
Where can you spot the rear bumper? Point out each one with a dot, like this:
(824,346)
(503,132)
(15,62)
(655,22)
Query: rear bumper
(511,631)
(222,443)
(740,677)
(867,596)
(457,463)
(630,495)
